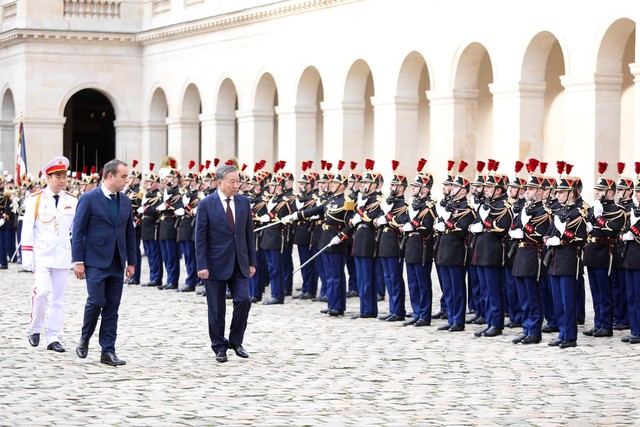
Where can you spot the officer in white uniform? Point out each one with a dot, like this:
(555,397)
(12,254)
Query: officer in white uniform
(46,251)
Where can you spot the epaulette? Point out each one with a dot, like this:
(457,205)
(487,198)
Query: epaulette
(70,194)
(347,198)
(431,203)
(547,209)
(35,194)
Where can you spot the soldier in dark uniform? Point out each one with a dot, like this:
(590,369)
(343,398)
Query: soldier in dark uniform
(631,264)
(353,189)
(274,238)
(168,234)
(624,196)
(259,281)
(418,247)
(335,230)
(490,227)
(323,194)
(185,223)
(287,253)
(5,210)
(393,216)
(302,236)
(605,222)
(149,227)
(550,201)
(475,291)
(452,249)
(367,209)
(135,195)
(443,210)
(515,200)
(530,226)
(565,239)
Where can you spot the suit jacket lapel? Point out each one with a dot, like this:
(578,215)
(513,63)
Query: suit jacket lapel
(217,205)
(105,203)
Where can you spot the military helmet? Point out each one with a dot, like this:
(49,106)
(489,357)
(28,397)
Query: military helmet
(517,181)
(603,182)
(460,180)
(422,179)
(449,178)
(340,177)
(398,179)
(624,183)
(480,178)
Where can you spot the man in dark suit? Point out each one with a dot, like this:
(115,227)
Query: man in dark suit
(226,256)
(104,242)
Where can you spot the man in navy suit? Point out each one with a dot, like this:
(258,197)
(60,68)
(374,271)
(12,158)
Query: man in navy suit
(103,243)
(226,256)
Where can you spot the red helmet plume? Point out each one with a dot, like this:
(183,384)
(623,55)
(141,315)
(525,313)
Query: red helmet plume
(532,165)
(323,164)
(637,165)
(353,165)
(207,164)
(244,166)
(602,167)
(192,163)
(215,162)
(462,166)
(134,163)
(568,168)
(369,164)
(151,165)
(450,164)
(305,166)
(340,165)
(309,164)
(543,167)
(201,168)
(518,166)
(328,166)
(621,166)
(480,166)
(421,164)
(84,169)
(491,165)
(394,164)
(560,165)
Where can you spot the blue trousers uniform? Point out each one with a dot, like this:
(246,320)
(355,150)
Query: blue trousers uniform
(154,258)
(633,300)
(287,268)
(392,269)
(188,250)
(275,264)
(3,247)
(351,269)
(381,287)
(309,274)
(443,296)
(11,245)
(475,292)
(319,263)
(513,299)
(602,296)
(336,281)
(491,281)
(581,298)
(420,290)
(619,283)
(454,287)
(169,251)
(564,302)
(548,309)
(529,300)
(366,274)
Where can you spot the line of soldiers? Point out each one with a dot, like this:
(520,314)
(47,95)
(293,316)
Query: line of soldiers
(501,245)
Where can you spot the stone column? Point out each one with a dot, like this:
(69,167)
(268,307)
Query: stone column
(154,144)
(184,139)
(218,136)
(255,136)
(43,139)
(635,70)
(343,130)
(128,140)
(8,146)
(297,136)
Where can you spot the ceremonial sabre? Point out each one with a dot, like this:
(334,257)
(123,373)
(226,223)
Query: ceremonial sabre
(311,259)
(268,225)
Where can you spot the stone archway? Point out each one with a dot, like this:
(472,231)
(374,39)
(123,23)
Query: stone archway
(7,132)
(89,133)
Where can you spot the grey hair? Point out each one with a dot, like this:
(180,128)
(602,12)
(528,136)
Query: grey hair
(224,170)
(112,167)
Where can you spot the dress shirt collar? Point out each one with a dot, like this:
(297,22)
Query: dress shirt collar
(224,198)
(106,192)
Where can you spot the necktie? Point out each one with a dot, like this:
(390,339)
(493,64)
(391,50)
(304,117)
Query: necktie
(56,197)
(230,216)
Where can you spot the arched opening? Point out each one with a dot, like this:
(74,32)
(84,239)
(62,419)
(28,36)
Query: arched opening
(189,145)
(8,133)
(358,113)
(89,133)
(226,123)
(266,122)
(309,119)
(157,127)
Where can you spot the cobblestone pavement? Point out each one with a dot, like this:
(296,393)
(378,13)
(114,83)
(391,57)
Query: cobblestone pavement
(305,369)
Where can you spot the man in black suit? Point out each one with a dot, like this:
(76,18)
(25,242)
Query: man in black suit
(103,244)
(226,256)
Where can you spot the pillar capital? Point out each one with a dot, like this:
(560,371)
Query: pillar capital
(592,82)
(293,112)
(518,90)
(342,108)
(254,115)
(454,96)
(409,103)
(182,121)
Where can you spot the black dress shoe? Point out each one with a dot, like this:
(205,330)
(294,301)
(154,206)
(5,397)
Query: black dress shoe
(336,312)
(187,288)
(255,299)
(479,332)
(34,339)
(634,340)
(422,322)
(324,311)
(518,339)
(438,315)
(151,284)
(625,338)
(492,332)
(287,293)
(204,293)
(384,316)
(363,316)
(3,266)
(200,291)
(352,294)
(168,286)
(82,349)
(620,326)
(306,295)
(600,333)
(470,321)
(133,282)
(394,318)
(512,325)
(444,327)
(532,339)
(409,322)
(56,346)
(240,351)
(111,359)
(480,321)
(589,332)
(272,301)
(549,329)
(221,356)
(555,343)
(568,343)
(456,328)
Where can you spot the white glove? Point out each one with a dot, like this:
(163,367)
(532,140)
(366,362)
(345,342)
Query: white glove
(560,225)
(1,222)
(412,212)
(194,210)
(335,241)
(633,218)
(299,204)
(553,241)
(628,236)
(290,218)
(356,219)
(186,199)
(271,204)
(381,221)
(161,207)
(361,200)
(484,212)
(439,226)
(407,227)
(524,217)
(516,233)
(476,228)
(179,212)
(265,218)
(165,195)
(27,260)
(386,207)
(140,210)
(313,218)
(589,227)
(597,208)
